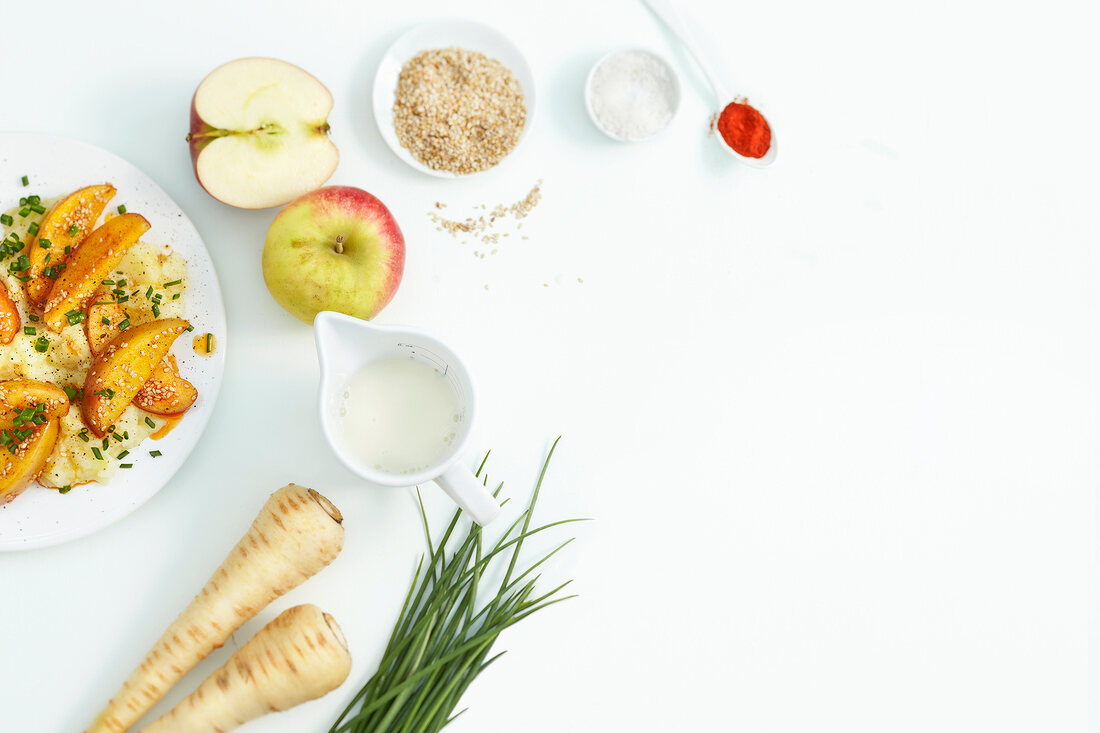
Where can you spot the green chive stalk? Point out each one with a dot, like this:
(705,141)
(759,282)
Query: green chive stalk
(442,639)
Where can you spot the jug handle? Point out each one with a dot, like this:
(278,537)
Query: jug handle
(472,496)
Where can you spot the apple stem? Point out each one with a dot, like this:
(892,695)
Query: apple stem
(339,244)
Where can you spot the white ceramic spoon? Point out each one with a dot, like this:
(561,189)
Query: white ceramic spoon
(664,10)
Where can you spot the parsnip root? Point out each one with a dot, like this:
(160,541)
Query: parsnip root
(297,533)
(298,657)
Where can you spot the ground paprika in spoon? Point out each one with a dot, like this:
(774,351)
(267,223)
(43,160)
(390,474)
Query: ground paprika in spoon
(744,129)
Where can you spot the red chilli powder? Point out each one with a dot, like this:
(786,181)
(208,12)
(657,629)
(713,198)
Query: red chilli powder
(745,130)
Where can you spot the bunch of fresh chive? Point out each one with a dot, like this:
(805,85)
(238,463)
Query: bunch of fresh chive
(442,641)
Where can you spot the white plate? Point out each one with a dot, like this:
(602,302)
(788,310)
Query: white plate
(40,517)
(465,34)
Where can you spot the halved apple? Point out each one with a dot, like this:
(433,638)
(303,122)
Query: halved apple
(9,316)
(259,135)
(166,392)
(19,468)
(67,224)
(19,394)
(119,373)
(88,265)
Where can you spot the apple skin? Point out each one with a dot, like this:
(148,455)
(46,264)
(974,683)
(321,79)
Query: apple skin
(196,139)
(337,248)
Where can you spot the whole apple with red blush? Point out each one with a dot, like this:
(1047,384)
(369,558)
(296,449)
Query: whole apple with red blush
(337,248)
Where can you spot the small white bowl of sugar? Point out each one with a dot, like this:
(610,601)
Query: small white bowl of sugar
(632,94)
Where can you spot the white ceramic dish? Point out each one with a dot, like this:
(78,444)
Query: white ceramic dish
(40,517)
(456,33)
(588,93)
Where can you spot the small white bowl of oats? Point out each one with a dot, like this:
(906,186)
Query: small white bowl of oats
(453,98)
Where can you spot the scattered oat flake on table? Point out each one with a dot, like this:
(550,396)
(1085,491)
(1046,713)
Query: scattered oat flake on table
(480,226)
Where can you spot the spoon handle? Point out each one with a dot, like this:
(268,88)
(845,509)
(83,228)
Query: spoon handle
(664,10)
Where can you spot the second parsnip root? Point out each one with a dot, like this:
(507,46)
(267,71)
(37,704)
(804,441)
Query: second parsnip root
(298,657)
(297,533)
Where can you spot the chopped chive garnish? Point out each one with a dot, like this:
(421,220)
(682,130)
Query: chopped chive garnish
(33,318)
(174,282)
(73,230)
(209,342)
(155,453)
(150,423)
(42,345)
(75,317)
(26,181)
(149,292)
(106,443)
(107,392)
(44,243)
(105,321)
(108,282)
(96,453)
(83,435)
(33,228)
(6,220)
(123,454)
(121,283)
(24,212)
(37,208)
(30,331)
(125,465)
(189,329)
(156,311)
(176,296)
(68,250)
(122,208)
(123,324)
(38,419)
(34,199)
(65,489)
(20,263)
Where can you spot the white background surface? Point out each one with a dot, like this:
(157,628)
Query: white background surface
(835,420)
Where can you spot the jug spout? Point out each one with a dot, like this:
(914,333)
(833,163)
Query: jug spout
(340,341)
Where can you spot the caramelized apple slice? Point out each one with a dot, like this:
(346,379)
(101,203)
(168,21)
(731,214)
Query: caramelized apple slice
(22,459)
(88,265)
(119,373)
(166,392)
(103,318)
(9,316)
(65,225)
(20,394)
